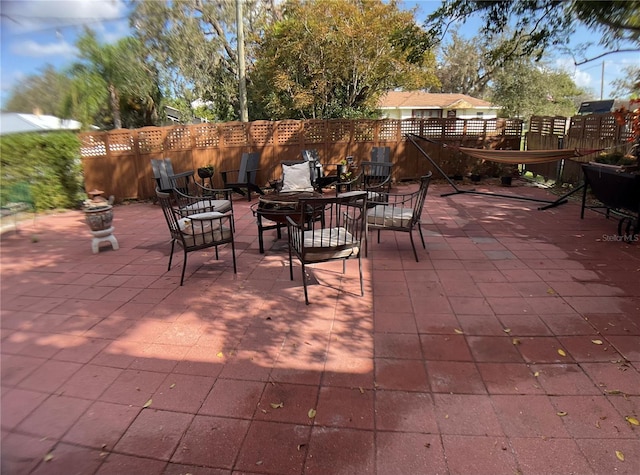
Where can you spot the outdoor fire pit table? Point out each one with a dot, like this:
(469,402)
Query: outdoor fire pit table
(275,207)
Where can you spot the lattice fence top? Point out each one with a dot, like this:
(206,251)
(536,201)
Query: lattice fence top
(150,139)
(318,133)
(92,146)
(178,138)
(206,136)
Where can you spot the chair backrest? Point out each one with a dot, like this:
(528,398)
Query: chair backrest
(167,201)
(162,171)
(422,195)
(376,176)
(248,167)
(381,155)
(313,157)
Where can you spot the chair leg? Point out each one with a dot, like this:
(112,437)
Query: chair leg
(421,236)
(378,236)
(415,253)
(360,269)
(233,254)
(290,263)
(304,284)
(173,243)
(184,267)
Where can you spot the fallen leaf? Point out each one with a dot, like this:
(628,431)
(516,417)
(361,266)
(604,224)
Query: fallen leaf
(48,457)
(148,403)
(427,445)
(220,354)
(300,446)
(459,332)
(361,390)
(515,341)
(632,420)
(598,424)
(311,413)
(596,342)
(561,413)
(506,330)
(536,374)
(620,455)
(276,406)
(172,386)
(613,391)
(561,352)
(551,291)
(259,462)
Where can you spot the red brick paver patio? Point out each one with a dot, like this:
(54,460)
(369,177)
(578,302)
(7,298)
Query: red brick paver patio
(512,347)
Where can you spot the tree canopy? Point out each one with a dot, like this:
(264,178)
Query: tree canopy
(193,45)
(334,58)
(537,25)
(111,84)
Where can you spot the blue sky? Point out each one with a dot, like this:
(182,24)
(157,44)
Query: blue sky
(40,32)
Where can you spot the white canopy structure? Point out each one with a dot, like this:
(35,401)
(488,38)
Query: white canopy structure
(15,123)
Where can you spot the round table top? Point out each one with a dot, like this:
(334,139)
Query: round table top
(287,197)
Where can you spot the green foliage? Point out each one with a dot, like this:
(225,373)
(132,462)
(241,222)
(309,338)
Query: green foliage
(44,92)
(111,84)
(629,86)
(192,45)
(463,67)
(539,25)
(524,89)
(44,167)
(334,59)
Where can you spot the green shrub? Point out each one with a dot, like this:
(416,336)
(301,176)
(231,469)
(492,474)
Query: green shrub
(43,169)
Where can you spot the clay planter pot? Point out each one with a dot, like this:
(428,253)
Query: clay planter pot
(99,218)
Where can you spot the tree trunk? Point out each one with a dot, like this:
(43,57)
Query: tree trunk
(114,100)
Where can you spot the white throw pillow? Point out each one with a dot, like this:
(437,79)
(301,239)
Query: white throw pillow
(296,177)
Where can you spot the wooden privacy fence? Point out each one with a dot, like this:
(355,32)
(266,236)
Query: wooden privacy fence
(595,131)
(118,161)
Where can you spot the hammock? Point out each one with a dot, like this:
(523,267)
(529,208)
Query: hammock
(505,156)
(527,156)
(518,156)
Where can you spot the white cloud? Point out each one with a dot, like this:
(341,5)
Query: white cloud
(37,50)
(38,15)
(581,78)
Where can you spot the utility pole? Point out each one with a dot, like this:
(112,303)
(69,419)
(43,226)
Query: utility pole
(242,79)
(602,82)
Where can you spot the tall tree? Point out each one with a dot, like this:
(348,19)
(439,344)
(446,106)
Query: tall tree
(334,58)
(462,67)
(193,44)
(112,77)
(629,86)
(524,89)
(43,92)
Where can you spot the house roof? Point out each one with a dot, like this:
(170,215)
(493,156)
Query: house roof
(14,123)
(427,100)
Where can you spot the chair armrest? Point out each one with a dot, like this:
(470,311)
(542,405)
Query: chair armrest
(207,192)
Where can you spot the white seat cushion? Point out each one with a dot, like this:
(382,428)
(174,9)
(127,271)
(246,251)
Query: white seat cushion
(219,205)
(324,243)
(296,177)
(389,216)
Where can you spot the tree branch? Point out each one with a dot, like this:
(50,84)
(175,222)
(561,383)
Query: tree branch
(585,61)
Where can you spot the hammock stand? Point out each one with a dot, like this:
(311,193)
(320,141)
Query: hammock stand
(505,156)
